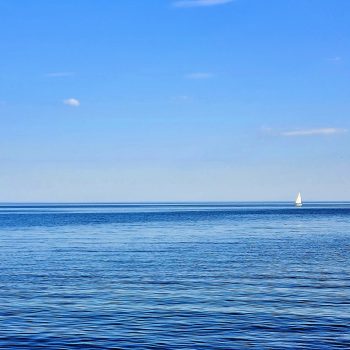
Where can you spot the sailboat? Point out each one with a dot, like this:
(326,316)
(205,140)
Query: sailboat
(298,201)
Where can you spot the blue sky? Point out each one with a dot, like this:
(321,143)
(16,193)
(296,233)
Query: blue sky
(160,100)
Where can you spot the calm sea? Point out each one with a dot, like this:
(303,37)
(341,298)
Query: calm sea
(175,276)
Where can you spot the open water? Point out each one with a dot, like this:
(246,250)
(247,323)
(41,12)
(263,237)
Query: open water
(175,276)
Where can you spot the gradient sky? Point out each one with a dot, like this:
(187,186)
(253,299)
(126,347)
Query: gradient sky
(161,100)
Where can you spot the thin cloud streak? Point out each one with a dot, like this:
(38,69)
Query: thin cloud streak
(72,102)
(181,98)
(335,59)
(59,74)
(199,75)
(313,132)
(199,3)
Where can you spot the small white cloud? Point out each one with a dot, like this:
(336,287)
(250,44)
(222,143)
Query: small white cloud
(199,75)
(200,3)
(59,74)
(73,102)
(313,132)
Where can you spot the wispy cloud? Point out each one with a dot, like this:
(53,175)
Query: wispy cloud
(313,132)
(200,3)
(73,102)
(335,59)
(59,74)
(266,130)
(199,75)
(181,98)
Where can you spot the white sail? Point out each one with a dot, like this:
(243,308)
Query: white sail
(298,201)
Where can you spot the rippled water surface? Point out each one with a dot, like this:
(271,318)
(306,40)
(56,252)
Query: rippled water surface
(175,276)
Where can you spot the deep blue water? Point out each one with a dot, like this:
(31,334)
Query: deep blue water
(175,276)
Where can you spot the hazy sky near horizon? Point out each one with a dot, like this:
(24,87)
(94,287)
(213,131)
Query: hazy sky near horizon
(161,100)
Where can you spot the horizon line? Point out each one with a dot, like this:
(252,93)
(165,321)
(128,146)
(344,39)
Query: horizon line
(171,202)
